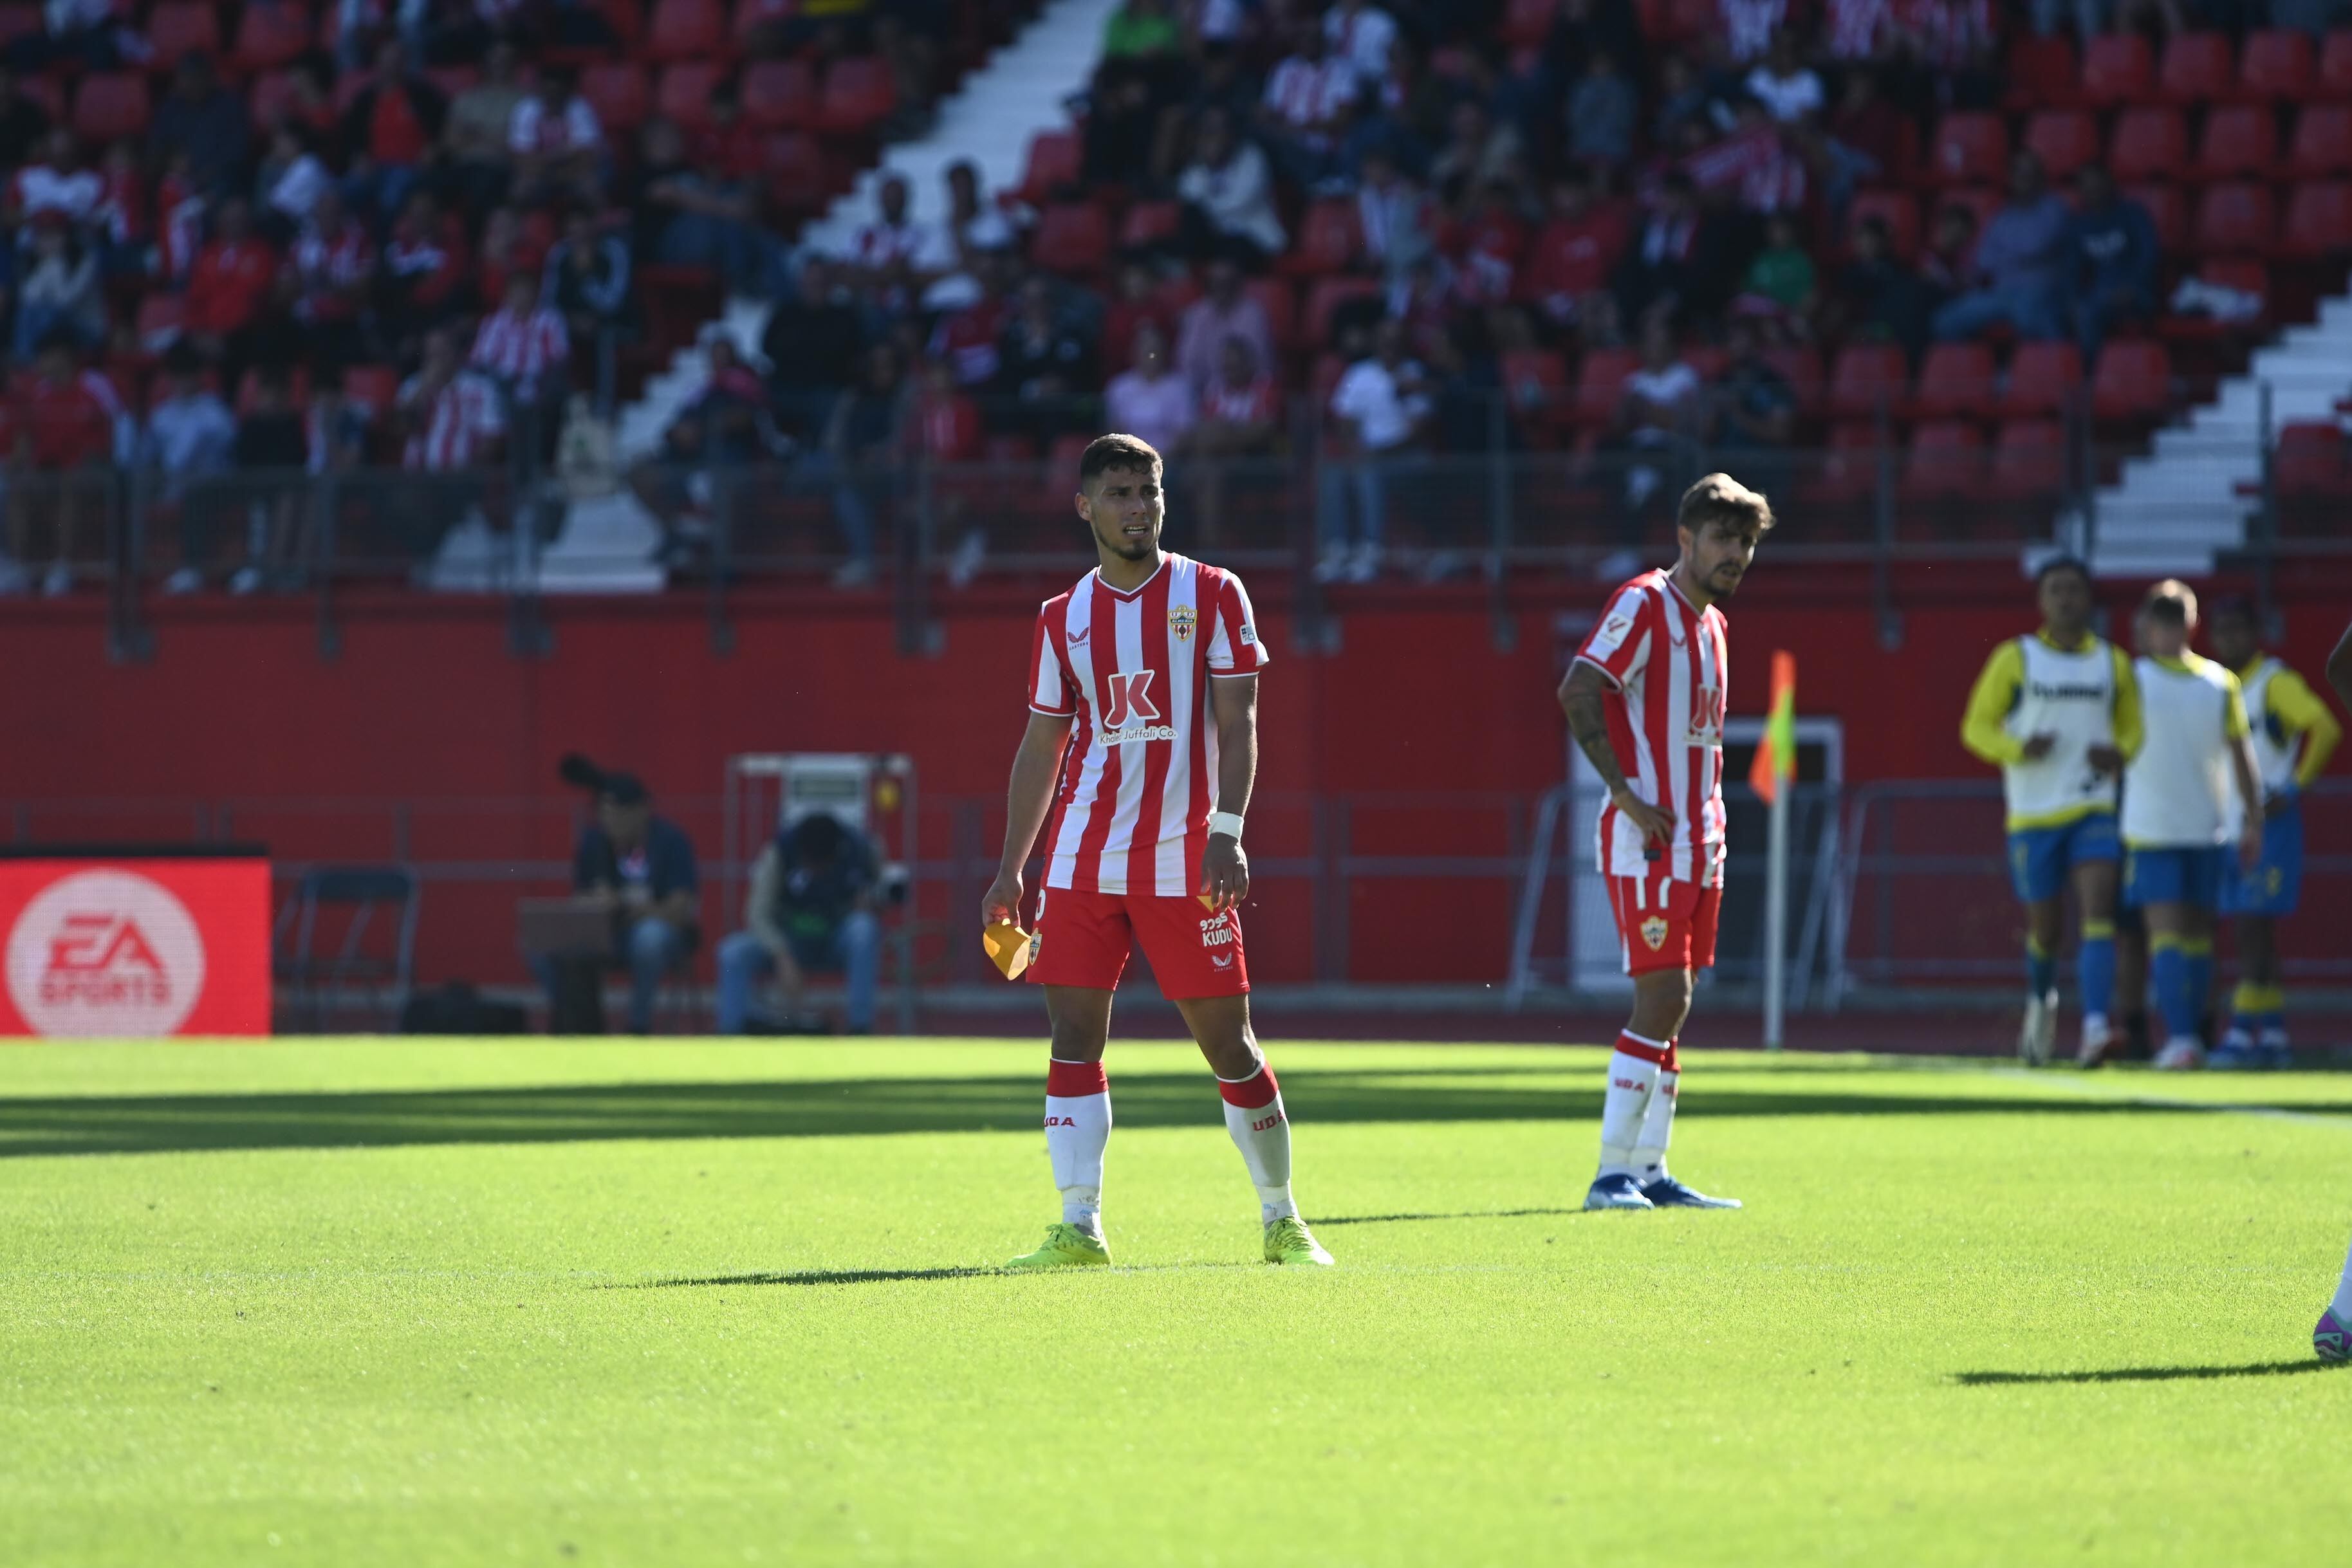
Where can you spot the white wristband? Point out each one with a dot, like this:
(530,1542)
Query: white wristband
(1226,823)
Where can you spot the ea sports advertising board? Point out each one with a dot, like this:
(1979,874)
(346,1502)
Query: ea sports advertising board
(134,947)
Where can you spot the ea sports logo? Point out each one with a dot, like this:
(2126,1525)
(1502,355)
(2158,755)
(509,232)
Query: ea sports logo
(105,953)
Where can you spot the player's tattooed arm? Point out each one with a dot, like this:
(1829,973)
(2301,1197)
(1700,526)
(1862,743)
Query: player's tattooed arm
(1581,698)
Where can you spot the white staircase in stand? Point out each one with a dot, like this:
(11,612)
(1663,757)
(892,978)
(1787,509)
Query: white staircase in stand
(2172,511)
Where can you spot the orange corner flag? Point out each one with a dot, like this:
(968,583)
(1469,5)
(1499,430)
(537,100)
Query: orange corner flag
(1776,754)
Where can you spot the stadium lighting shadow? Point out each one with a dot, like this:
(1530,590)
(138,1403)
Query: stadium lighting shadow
(2143,1373)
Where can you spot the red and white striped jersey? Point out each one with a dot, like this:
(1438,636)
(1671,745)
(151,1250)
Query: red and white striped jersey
(1670,665)
(520,348)
(1139,775)
(457,421)
(1256,403)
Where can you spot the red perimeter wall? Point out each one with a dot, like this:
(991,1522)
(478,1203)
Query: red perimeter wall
(426,704)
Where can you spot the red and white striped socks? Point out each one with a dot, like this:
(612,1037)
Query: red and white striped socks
(1637,1113)
(1077,1129)
(1262,1133)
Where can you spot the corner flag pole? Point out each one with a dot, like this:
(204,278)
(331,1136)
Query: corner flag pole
(1774,768)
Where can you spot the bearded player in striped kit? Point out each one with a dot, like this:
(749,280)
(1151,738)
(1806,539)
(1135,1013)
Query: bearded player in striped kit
(1142,717)
(1644,699)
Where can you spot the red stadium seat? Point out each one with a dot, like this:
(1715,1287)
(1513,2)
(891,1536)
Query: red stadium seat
(2277,64)
(1849,470)
(269,37)
(1073,237)
(1945,462)
(2168,209)
(2236,219)
(110,106)
(2335,65)
(1800,366)
(1707,360)
(780,94)
(1279,300)
(1325,299)
(2309,460)
(2029,461)
(2118,69)
(1330,237)
(1981,200)
(618,91)
(1600,383)
(2133,383)
(1900,209)
(2042,379)
(2323,140)
(794,164)
(1956,382)
(1866,378)
(751,17)
(2318,220)
(2064,139)
(2242,139)
(180,28)
(2149,143)
(684,91)
(685,30)
(19,22)
(2042,72)
(2198,69)
(1969,148)
(1527,21)
(1535,383)
(1149,224)
(1056,159)
(858,95)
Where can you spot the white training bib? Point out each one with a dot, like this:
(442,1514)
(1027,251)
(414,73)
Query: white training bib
(2073,698)
(2176,790)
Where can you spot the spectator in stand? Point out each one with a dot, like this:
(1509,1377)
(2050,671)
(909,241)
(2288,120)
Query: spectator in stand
(225,312)
(1868,139)
(338,429)
(1949,260)
(1394,214)
(24,124)
(1361,34)
(1307,96)
(1861,32)
(2111,259)
(309,106)
(955,250)
(587,281)
(1755,408)
(1601,112)
(123,224)
(206,122)
(1952,46)
(1049,365)
(58,292)
(810,911)
(857,460)
(1138,298)
(288,183)
(1779,291)
(390,129)
(271,450)
(1479,152)
(883,253)
(724,426)
(1574,253)
(1150,399)
(523,348)
(1381,409)
(77,36)
(422,266)
(510,245)
(333,267)
(1879,300)
(1748,27)
(1239,417)
(65,436)
(2017,277)
(1660,409)
(1227,189)
(557,144)
(189,435)
(1224,310)
(453,423)
(707,219)
(1683,101)
(1483,249)
(1790,89)
(479,158)
(641,867)
(814,343)
(60,183)
(1673,263)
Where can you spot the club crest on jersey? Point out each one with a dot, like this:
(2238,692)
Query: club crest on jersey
(1181,619)
(1654,932)
(1128,710)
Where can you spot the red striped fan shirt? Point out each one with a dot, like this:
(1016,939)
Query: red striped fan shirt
(1139,775)
(1669,664)
(520,348)
(451,426)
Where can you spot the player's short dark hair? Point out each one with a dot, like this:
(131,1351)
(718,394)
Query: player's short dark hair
(2171,602)
(1721,498)
(2061,562)
(1105,453)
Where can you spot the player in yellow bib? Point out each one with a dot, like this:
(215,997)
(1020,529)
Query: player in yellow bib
(2058,713)
(2293,734)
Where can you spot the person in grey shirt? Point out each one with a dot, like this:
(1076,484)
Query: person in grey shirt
(2018,275)
(189,433)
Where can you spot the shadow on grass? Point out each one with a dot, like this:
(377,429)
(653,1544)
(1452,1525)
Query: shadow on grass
(788,1109)
(813,1277)
(1481,1214)
(2143,1373)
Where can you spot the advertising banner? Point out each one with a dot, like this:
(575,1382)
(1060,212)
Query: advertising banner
(135,947)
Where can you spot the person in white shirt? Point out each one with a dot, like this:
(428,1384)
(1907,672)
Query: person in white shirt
(2176,812)
(189,433)
(1150,399)
(1658,406)
(1362,35)
(1788,88)
(1380,406)
(1228,195)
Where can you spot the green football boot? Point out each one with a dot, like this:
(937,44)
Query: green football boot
(1068,1246)
(1287,1240)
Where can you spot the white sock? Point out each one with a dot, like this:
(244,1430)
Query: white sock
(1657,1128)
(1077,1129)
(1254,1118)
(1631,1080)
(2342,1304)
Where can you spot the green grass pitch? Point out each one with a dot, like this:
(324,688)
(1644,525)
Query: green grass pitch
(682,1302)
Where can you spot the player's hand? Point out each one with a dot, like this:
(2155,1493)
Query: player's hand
(1655,823)
(2250,841)
(1225,873)
(2105,759)
(2037,747)
(1002,899)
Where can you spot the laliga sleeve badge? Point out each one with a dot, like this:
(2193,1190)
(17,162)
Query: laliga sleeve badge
(1654,932)
(1010,948)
